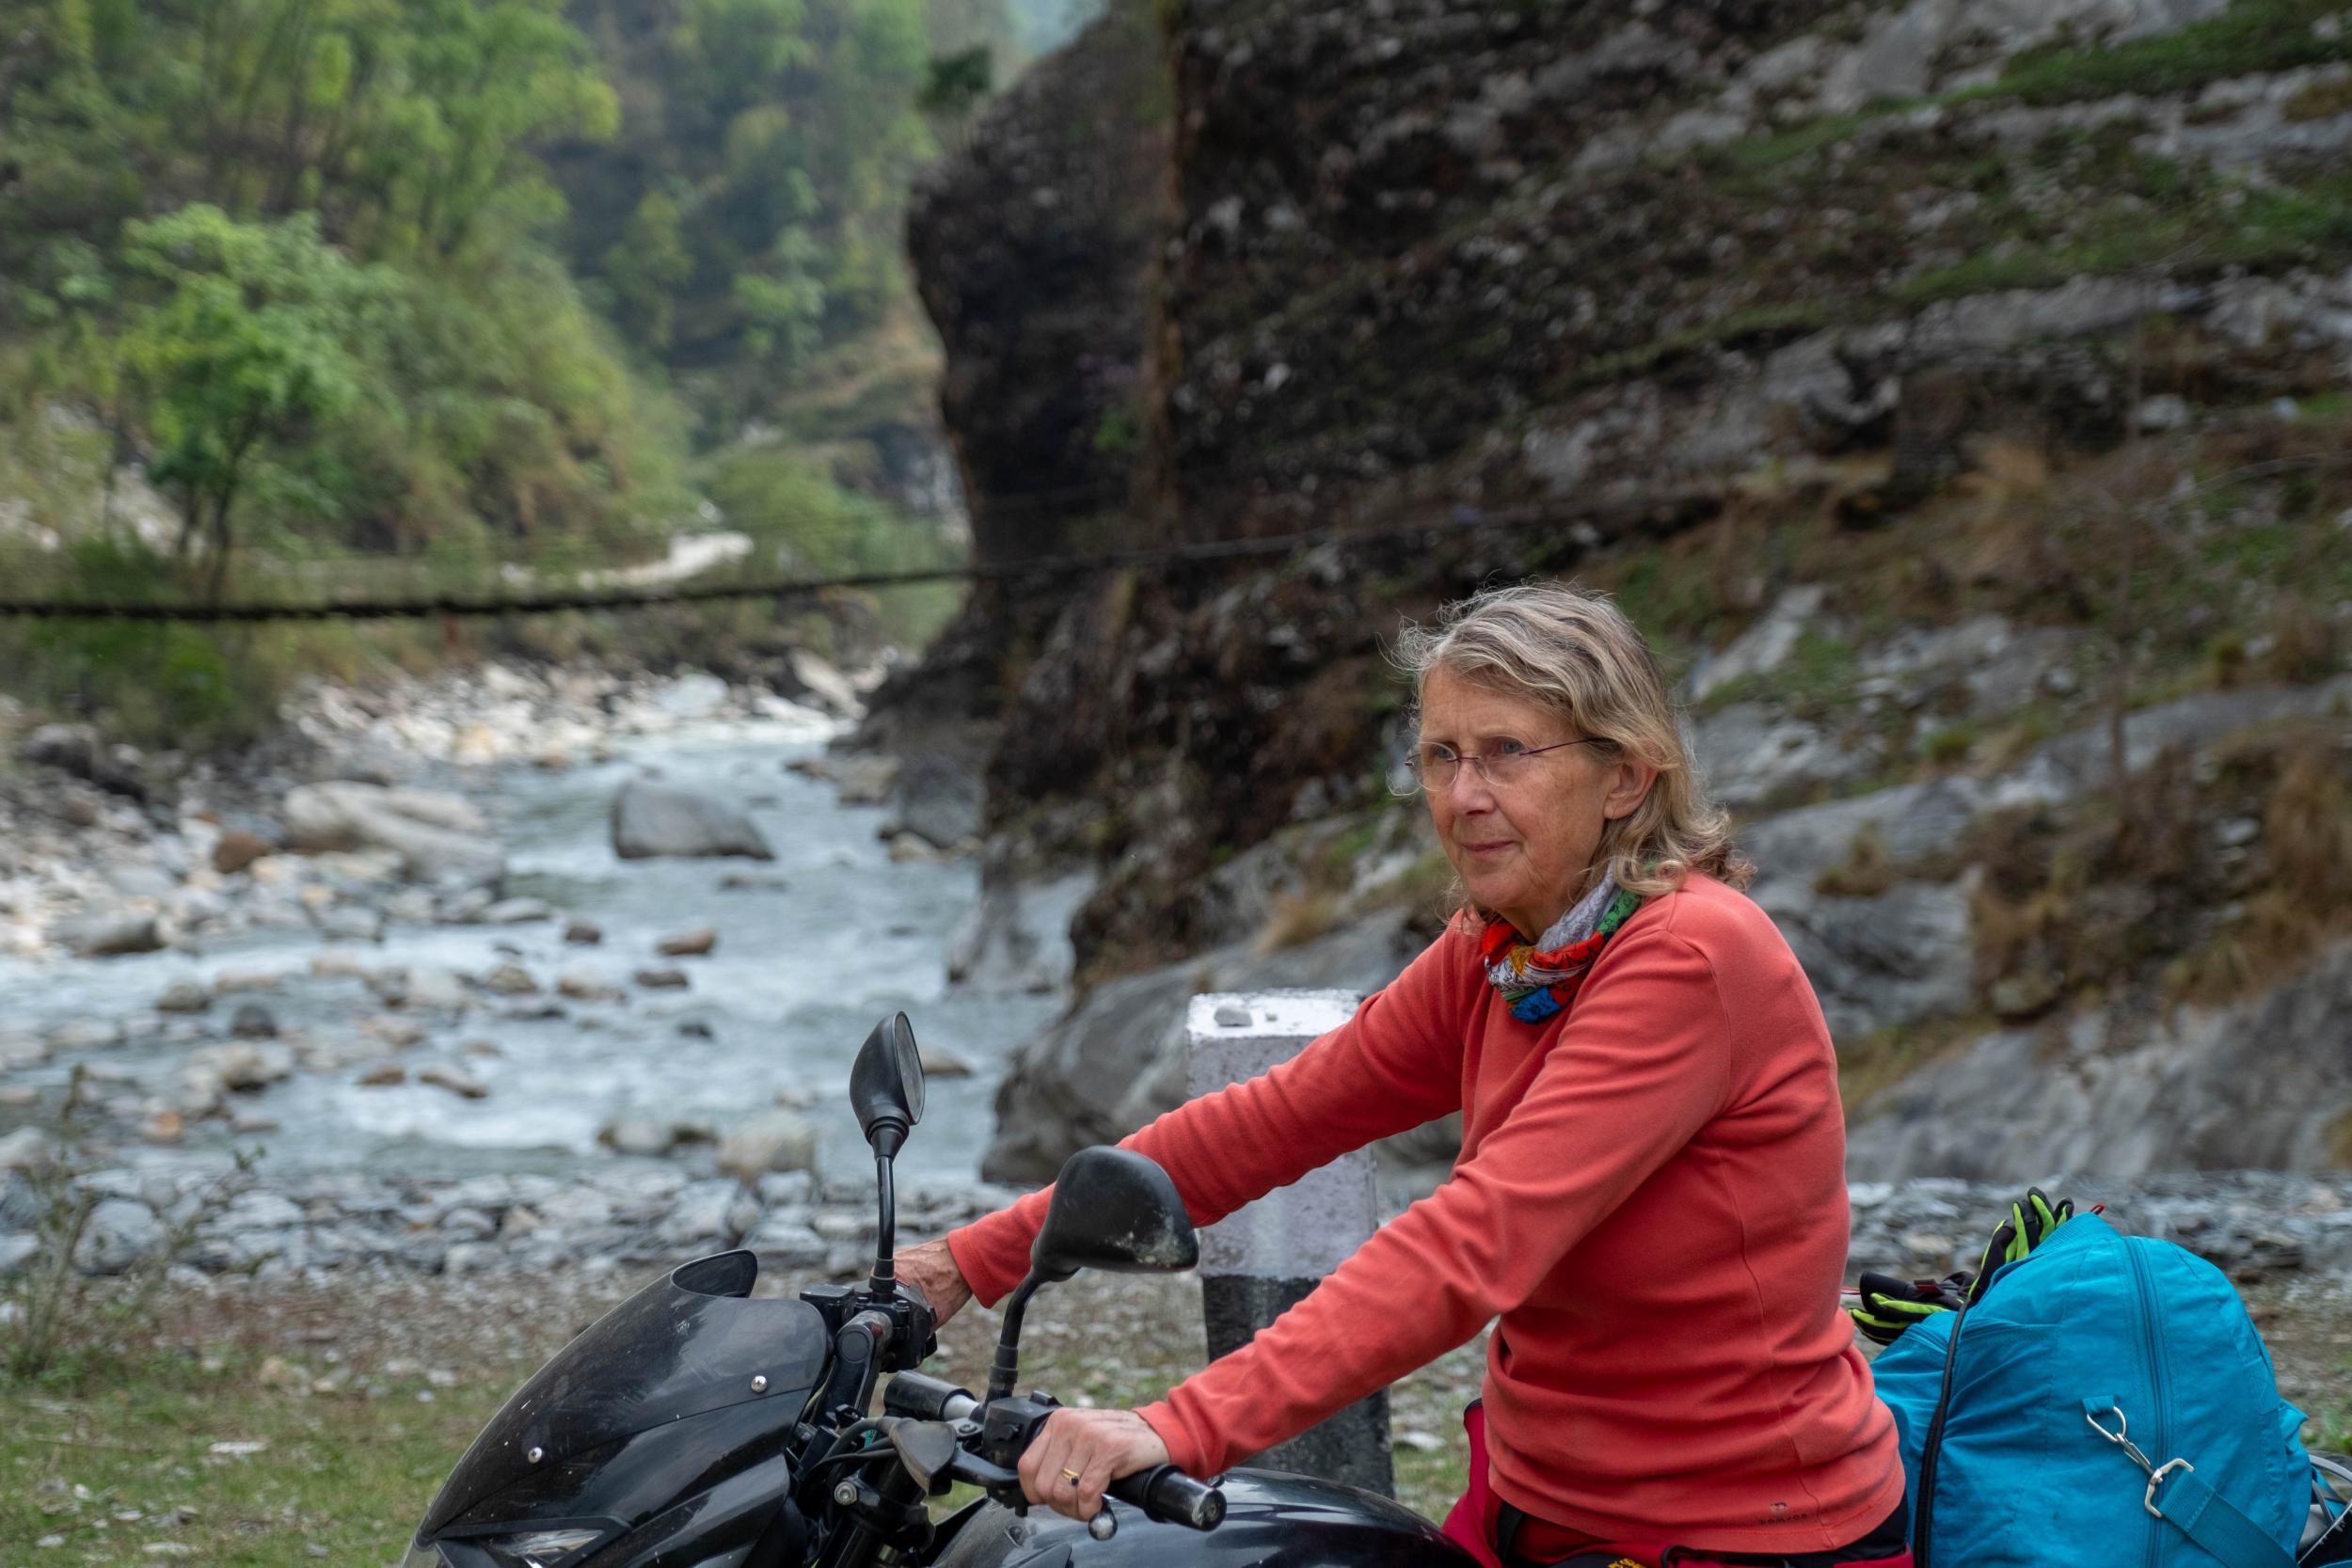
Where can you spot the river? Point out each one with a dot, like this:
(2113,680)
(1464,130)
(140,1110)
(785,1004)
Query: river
(813,948)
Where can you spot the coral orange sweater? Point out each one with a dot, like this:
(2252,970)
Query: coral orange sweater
(1651,1197)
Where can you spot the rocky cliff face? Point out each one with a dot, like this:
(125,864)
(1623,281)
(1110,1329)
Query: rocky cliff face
(1954,394)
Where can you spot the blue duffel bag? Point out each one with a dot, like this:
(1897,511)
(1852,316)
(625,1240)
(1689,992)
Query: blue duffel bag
(2104,1400)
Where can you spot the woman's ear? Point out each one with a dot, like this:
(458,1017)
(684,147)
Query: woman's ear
(1629,788)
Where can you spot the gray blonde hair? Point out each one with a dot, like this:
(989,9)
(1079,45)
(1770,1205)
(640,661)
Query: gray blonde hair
(1573,650)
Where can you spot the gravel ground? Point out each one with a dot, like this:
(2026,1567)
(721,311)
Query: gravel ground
(1103,1339)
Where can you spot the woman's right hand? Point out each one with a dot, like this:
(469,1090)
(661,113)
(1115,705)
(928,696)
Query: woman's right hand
(931,1268)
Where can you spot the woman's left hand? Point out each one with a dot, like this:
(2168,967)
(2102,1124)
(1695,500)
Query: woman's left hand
(1096,1445)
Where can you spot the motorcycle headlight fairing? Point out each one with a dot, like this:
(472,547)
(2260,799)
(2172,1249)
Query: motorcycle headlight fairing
(527,1548)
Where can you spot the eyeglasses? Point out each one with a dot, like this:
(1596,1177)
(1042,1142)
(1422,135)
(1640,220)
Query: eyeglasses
(1435,765)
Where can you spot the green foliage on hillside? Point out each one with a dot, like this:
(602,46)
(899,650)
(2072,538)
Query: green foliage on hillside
(746,215)
(460,281)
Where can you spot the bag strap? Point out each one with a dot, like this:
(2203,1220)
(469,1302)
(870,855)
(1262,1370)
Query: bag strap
(2190,1506)
(2179,1499)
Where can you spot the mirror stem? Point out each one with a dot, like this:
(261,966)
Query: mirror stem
(884,1282)
(1008,1366)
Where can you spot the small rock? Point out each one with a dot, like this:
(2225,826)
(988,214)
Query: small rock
(242,1066)
(914,849)
(27,1149)
(456,1080)
(163,1127)
(687,945)
(481,1048)
(276,1372)
(943,1064)
(341,963)
(464,906)
(120,1232)
(745,881)
(696,1029)
(398,1032)
(661,979)
(516,911)
(771,1140)
(383,1077)
(583,933)
(638,1135)
(791,1243)
(436,989)
(510,981)
(584,986)
(111,936)
(184,996)
(86,1033)
(253,1021)
(350,923)
(236,849)
(2017,997)
(229,982)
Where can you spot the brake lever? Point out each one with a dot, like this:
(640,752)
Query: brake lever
(1004,1487)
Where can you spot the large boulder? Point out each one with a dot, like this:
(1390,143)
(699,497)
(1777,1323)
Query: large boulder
(2261,1084)
(1881,961)
(650,820)
(1117,1059)
(438,837)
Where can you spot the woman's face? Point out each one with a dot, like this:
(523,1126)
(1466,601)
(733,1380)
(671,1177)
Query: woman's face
(1522,847)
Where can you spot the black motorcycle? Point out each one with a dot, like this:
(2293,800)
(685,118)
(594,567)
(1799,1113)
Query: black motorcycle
(693,1427)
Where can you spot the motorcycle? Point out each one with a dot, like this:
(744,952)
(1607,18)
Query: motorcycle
(695,1427)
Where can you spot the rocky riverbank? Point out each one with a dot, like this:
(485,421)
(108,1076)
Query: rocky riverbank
(351,816)
(561,948)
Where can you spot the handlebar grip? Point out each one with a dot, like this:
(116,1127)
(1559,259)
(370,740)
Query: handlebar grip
(927,1399)
(1167,1494)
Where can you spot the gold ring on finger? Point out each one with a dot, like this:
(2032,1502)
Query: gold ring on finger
(1068,1475)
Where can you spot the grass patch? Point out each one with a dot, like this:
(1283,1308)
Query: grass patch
(2320,99)
(2252,35)
(1877,1062)
(340,1477)
(1866,871)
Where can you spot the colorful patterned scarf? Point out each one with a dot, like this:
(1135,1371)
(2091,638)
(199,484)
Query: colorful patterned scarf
(1538,978)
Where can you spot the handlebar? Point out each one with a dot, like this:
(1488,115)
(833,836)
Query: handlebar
(1167,1494)
(1006,1428)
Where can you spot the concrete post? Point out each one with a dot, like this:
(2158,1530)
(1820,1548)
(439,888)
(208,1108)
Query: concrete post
(1260,1260)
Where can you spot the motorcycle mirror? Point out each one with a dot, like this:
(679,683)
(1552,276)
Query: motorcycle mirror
(886,1086)
(1113,1209)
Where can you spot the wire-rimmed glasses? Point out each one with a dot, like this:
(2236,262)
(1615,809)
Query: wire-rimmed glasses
(1433,765)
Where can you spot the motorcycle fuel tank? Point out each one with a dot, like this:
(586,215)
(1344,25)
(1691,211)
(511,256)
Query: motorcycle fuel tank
(1273,1519)
(690,1344)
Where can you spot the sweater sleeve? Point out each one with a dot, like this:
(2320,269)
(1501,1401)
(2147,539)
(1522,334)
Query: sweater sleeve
(1641,1066)
(1394,1064)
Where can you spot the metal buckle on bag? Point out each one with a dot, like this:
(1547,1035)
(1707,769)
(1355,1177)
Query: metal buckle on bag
(2155,1479)
(2155,1472)
(2122,1437)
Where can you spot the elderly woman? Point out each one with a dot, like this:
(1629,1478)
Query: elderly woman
(1650,1194)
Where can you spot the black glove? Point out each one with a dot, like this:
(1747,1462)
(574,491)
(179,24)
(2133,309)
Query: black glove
(1890,1306)
(2030,1221)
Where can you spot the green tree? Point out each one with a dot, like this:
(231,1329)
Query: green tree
(237,344)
